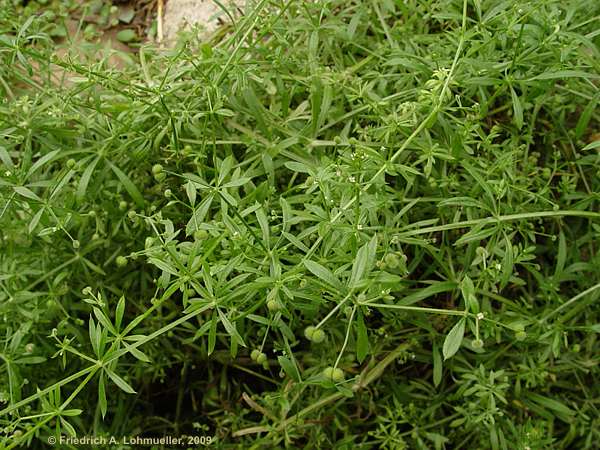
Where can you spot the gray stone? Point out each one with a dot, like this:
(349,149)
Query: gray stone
(205,14)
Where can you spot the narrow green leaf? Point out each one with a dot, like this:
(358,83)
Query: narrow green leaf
(507,263)
(40,162)
(230,328)
(454,339)
(256,108)
(464,202)
(102,319)
(92,334)
(5,158)
(295,241)
(198,216)
(289,368)
(190,190)
(323,273)
(591,146)
(138,354)
(85,179)
(26,192)
(119,312)
(35,220)
(298,167)
(316,100)
(551,404)
(14,381)
(438,365)
(478,233)
(225,168)
(68,427)
(120,382)
(102,395)
(163,265)
(365,257)
(286,211)
(585,117)
(468,292)
(128,185)
(517,108)
(264,225)
(237,182)
(212,333)
(30,360)
(561,256)
(422,294)
(362,338)
(553,75)
(90,264)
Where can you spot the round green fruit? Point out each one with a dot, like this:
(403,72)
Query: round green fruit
(273,305)
(121,261)
(477,343)
(200,235)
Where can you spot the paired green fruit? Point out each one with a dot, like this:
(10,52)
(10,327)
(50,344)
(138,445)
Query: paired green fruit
(334,374)
(258,356)
(391,260)
(315,335)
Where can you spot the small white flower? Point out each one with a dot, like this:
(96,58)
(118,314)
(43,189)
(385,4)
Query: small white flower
(480,316)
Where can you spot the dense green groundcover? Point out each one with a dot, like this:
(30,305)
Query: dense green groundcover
(341,224)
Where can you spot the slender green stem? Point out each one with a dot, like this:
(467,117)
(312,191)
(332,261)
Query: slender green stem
(447,312)
(337,361)
(499,219)
(570,302)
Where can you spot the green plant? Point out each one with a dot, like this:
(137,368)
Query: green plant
(381,230)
